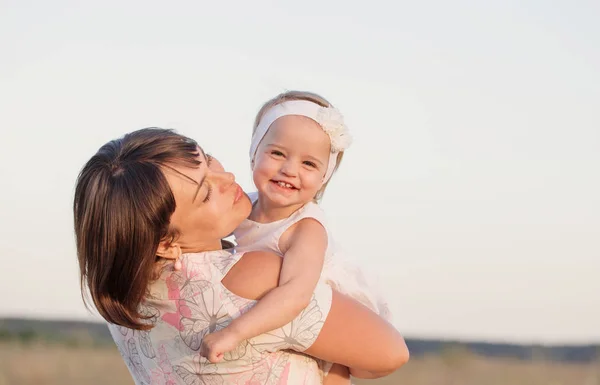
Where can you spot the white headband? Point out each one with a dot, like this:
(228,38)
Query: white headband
(328,118)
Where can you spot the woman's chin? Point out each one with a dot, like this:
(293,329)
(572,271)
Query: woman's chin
(244,206)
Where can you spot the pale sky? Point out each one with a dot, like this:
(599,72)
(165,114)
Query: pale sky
(472,188)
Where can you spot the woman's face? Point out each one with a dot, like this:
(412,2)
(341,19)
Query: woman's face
(209,204)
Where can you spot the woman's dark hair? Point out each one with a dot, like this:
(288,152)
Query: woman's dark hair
(122,210)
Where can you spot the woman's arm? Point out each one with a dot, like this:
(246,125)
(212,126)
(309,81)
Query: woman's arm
(300,272)
(352,335)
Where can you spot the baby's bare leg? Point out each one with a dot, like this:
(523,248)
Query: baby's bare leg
(338,375)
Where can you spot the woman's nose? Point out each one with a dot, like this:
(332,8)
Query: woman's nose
(224,179)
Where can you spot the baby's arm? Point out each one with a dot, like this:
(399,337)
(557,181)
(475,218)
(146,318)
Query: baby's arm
(300,272)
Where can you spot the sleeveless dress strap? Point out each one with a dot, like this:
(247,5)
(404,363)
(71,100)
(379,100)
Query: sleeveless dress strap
(309,210)
(266,236)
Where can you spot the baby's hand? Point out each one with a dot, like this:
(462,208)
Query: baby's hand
(215,345)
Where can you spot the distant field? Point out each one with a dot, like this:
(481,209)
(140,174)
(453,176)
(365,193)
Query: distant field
(49,364)
(465,369)
(59,364)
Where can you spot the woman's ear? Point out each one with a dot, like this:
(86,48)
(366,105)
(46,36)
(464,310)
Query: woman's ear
(169,250)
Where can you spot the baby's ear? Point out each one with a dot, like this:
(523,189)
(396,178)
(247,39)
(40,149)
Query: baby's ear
(169,250)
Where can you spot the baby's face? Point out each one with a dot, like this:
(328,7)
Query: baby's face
(291,161)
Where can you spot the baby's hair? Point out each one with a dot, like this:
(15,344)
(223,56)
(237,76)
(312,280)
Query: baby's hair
(299,95)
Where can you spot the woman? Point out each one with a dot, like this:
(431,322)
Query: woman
(150,211)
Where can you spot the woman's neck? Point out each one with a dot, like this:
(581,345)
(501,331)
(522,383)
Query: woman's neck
(264,211)
(201,248)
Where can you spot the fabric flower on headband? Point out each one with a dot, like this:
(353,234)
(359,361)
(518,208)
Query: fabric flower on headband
(333,124)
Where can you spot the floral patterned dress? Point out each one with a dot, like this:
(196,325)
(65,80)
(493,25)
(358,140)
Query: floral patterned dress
(183,306)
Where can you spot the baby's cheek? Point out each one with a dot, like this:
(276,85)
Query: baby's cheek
(262,175)
(315,181)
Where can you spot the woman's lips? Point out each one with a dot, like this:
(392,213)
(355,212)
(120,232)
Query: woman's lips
(238,193)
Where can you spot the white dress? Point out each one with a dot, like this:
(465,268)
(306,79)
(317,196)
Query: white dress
(337,272)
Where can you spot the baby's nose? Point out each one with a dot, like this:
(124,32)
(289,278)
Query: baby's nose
(289,168)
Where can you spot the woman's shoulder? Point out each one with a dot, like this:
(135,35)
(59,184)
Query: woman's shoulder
(204,269)
(247,273)
(221,259)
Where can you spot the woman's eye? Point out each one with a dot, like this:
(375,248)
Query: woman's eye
(208,193)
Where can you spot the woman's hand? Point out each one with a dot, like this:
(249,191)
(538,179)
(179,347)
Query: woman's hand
(215,345)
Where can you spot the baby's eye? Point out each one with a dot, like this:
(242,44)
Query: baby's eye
(276,153)
(310,164)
